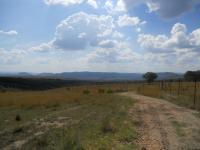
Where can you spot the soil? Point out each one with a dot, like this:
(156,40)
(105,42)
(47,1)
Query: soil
(162,125)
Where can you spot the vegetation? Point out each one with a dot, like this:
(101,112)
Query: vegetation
(63,119)
(179,128)
(150,76)
(84,116)
(180,93)
(192,75)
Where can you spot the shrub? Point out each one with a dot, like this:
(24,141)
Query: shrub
(3,90)
(108,126)
(17,118)
(109,91)
(101,91)
(17,130)
(86,92)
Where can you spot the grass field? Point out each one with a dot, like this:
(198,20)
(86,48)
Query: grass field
(81,117)
(85,117)
(181,94)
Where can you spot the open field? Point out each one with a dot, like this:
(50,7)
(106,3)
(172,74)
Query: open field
(66,118)
(99,117)
(182,93)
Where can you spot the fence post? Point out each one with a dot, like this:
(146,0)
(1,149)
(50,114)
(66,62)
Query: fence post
(179,85)
(162,84)
(195,92)
(170,87)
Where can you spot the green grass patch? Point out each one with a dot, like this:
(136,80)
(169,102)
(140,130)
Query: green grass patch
(179,128)
(96,122)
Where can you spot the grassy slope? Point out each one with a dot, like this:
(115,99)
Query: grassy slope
(96,121)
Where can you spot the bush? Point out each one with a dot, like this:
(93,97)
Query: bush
(121,90)
(86,92)
(108,126)
(101,91)
(3,90)
(17,130)
(17,118)
(109,91)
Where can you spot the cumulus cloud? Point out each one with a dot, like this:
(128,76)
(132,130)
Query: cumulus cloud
(126,20)
(63,2)
(165,8)
(11,56)
(179,40)
(114,8)
(92,3)
(118,53)
(66,3)
(107,43)
(82,30)
(195,37)
(8,33)
(44,47)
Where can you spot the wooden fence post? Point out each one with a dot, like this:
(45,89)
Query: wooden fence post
(162,83)
(195,92)
(179,85)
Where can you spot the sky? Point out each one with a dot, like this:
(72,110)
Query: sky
(99,35)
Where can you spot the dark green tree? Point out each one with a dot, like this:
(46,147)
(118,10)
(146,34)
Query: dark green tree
(192,75)
(150,76)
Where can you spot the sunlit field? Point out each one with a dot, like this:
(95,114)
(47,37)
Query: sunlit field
(182,93)
(81,117)
(84,117)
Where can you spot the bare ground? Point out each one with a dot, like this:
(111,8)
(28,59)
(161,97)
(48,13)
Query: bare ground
(164,126)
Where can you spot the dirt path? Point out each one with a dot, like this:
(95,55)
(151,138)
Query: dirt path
(164,126)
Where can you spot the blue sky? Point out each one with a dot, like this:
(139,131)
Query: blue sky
(101,35)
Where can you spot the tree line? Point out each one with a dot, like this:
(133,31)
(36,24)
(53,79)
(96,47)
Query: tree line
(188,76)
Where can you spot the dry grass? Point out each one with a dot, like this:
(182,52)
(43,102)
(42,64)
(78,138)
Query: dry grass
(96,120)
(183,96)
(52,97)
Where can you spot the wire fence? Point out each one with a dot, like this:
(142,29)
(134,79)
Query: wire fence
(181,92)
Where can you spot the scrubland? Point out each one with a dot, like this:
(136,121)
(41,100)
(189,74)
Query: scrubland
(83,117)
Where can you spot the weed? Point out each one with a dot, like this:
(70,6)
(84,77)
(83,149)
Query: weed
(86,92)
(110,91)
(108,126)
(101,91)
(17,118)
(17,130)
(178,127)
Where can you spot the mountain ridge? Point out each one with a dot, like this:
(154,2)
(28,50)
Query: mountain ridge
(86,75)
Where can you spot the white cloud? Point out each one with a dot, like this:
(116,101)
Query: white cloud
(63,2)
(82,30)
(93,3)
(67,3)
(11,56)
(179,40)
(107,43)
(120,6)
(119,52)
(195,37)
(165,8)
(9,33)
(114,8)
(117,35)
(126,20)
(44,47)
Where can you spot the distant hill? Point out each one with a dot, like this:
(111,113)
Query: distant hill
(104,76)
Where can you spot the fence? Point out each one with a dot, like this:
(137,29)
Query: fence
(180,91)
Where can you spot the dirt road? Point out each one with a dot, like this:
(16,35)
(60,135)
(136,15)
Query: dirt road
(162,125)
